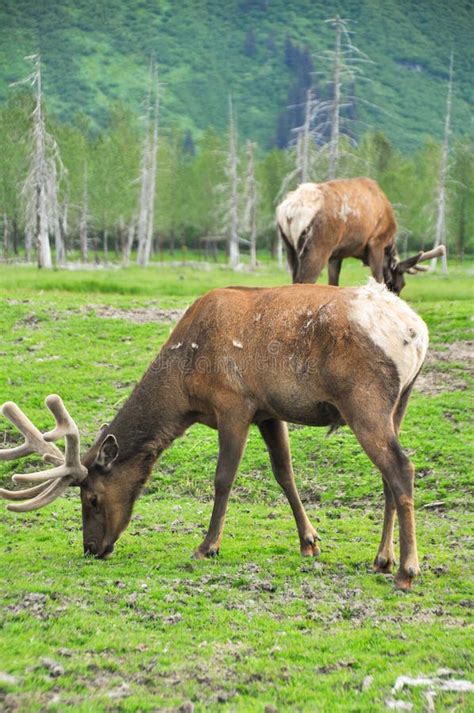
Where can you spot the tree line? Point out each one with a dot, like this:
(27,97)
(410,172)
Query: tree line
(94,208)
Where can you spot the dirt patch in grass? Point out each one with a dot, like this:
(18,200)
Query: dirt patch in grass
(139,315)
(461,352)
(434,379)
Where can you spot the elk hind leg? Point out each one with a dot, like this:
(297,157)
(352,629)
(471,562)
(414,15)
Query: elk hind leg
(311,262)
(275,435)
(385,558)
(380,442)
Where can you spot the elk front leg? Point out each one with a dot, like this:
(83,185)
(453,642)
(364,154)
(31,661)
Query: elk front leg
(334,269)
(385,559)
(232,439)
(376,258)
(275,435)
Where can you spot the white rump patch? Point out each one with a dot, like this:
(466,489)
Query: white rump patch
(393,326)
(296,212)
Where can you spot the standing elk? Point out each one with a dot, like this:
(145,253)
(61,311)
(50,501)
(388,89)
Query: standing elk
(323,223)
(307,354)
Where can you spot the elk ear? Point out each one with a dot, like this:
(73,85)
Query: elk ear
(410,262)
(107,453)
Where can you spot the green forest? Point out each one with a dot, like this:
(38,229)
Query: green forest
(97,53)
(95,60)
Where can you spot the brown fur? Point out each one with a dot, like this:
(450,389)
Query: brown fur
(262,356)
(356,220)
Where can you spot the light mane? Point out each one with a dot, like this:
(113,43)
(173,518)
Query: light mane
(298,209)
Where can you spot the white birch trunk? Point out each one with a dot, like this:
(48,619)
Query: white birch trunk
(40,189)
(335,113)
(64,225)
(142,222)
(55,218)
(42,228)
(152,180)
(440,231)
(128,244)
(83,238)
(146,213)
(279,250)
(251,201)
(6,236)
(28,243)
(304,168)
(234,250)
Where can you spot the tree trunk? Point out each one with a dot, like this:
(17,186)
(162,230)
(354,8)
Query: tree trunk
(6,237)
(106,245)
(335,114)
(148,175)
(63,226)
(42,234)
(440,233)
(15,236)
(83,238)
(28,244)
(234,250)
(128,244)
(251,200)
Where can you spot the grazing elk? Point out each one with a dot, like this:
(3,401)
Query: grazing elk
(323,223)
(307,354)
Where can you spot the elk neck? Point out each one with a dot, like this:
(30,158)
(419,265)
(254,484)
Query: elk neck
(153,416)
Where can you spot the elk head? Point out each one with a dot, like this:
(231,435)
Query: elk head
(394,270)
(107,496)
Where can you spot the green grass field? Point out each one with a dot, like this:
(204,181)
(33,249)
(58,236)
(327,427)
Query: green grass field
(259,628)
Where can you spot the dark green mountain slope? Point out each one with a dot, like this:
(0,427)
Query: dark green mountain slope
(96,52)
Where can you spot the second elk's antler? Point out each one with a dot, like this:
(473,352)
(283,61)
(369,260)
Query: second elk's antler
(423,256)
(68,469)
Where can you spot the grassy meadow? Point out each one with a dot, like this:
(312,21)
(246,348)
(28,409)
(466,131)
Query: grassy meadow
(258,628)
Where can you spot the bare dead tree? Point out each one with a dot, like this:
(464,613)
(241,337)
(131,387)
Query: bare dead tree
(347,63)
(336,104)
(251,204)
(148,170)
(83,219)
(56,218)
(440,230)
(308,138)
(233,192)
(40,190)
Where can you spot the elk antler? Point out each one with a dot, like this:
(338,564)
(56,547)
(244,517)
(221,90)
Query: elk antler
(68,468)
(435,252)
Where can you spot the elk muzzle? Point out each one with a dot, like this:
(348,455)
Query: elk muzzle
(94,549)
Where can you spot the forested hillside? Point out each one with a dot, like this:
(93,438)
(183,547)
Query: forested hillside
(263,51)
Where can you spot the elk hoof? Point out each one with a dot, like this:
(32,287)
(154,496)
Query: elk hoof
(404,578)
(201,554)
(383,565)
(310,547)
